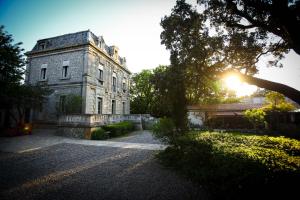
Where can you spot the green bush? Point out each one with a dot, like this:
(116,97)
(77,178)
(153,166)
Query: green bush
(164,130)
(235,166)
(99,134)
(256,117)
(119,129)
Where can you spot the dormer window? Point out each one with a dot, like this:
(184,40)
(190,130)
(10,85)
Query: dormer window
(42,45)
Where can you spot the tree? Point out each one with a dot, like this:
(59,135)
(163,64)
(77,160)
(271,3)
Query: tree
(73,104)
(277,102)
(145,95)
(11,61)
(256,117)
(196,57)
(289,92)
(20,98)
(271,25)
(161,106)
(142,92)
(180,30)
(279,17)
(15,97)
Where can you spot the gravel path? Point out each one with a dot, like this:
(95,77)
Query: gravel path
(76,171)
(138,137)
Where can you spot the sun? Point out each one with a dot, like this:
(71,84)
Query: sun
(242,89)
(232,82)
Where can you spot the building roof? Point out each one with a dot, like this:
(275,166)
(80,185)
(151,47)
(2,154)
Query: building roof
(239,107)
(76,39)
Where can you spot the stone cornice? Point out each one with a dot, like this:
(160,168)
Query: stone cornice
(46,52)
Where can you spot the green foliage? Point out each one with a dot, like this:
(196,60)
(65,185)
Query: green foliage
(256,117)
(73,104)
(145,97)
(99,134)
(22,97)
(276,102)
(142,92)
(15,95)
(119,129)
(274,98)
(12,61)
(164,130)
(233,166)
(217,38)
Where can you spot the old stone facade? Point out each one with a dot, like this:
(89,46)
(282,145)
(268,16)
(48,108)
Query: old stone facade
(79,64)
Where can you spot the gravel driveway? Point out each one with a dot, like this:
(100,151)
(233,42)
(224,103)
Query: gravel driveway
(77,171)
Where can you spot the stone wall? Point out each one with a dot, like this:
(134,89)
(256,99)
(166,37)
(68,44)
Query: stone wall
(81,126)
(83,54)
(54,80)
(54,63)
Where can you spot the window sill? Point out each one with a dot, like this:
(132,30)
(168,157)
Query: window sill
(43,80)
(65,78)
(101,82)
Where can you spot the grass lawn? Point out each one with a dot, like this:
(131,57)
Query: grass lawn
(237,166)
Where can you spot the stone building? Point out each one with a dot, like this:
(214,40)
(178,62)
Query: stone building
(80,64)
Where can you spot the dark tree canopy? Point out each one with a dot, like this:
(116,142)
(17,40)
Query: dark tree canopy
(265,17)
(15,97)
(11,60)
(270,26)
(215,39)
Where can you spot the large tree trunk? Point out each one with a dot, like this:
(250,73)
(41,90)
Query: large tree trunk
(287,91)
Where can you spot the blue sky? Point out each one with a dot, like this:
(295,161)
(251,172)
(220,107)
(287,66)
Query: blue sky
(132,25)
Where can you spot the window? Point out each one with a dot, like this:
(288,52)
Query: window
(42,46)
(62,104)
(114,84)
(124,85)
(41,107)
(99,105)
(123,107)
(113,107)
(43,73)
(65,71)
(100,74)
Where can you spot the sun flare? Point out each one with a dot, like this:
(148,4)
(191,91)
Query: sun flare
(242,89)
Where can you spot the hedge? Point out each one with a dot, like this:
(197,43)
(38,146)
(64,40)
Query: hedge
(99,134)
(237,166)
(119,129)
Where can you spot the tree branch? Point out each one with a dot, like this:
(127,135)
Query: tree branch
(288,91)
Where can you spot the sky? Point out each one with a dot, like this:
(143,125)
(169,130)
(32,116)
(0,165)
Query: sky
(132,25)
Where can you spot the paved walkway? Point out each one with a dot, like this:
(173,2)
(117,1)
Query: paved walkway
(48,167)
(46,137)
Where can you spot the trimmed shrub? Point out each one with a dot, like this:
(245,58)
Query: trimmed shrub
(99,134)
(164,130)
(119,129)
(236,166)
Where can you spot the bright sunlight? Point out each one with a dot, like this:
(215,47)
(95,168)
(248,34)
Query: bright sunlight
(242,89)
